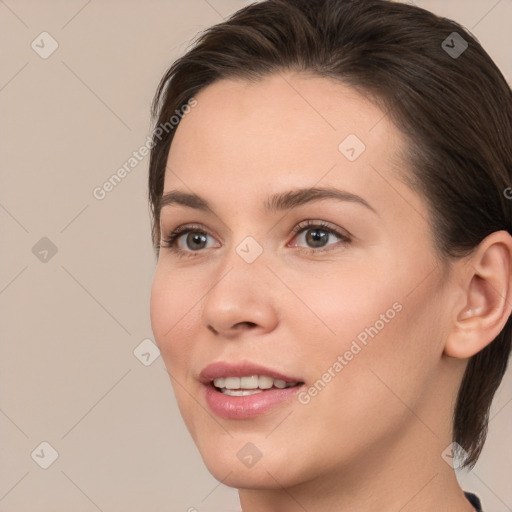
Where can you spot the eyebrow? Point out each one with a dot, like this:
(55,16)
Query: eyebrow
(275,203)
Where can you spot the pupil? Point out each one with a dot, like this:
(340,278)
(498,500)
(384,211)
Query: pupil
(193,238)
(317,236)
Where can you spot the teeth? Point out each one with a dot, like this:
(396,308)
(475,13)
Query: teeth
(219,383)
(251,382)
(241,392)
(243,386)
(232,383)
(265,382)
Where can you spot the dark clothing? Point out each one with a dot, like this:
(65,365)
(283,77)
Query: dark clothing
(474,500)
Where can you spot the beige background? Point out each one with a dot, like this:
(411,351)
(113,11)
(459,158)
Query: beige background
(70,324)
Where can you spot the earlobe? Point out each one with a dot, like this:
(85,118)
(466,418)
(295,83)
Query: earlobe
(486,279)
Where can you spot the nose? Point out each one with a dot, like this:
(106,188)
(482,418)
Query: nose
(241,299)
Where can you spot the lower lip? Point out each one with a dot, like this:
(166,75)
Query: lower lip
(250,406)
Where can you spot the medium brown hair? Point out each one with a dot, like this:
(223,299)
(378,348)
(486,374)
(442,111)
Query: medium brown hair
(455,112)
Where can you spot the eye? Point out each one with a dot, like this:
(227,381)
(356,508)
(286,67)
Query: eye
(310,235)
(317,235)
(185,240)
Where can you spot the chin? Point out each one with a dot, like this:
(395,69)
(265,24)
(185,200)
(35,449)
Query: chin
(247,467)
(258,477)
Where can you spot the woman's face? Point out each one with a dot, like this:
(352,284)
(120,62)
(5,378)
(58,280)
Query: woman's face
(340,292)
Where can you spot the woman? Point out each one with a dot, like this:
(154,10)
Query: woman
(333,287)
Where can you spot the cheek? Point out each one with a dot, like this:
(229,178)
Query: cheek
(174,315)
(346,303)
(377,328)
(382,357)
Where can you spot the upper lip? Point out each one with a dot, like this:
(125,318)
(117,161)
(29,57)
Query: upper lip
(241,369)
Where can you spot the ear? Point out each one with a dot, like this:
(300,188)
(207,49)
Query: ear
(485,302)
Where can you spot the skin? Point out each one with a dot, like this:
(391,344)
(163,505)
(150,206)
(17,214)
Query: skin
(372,438)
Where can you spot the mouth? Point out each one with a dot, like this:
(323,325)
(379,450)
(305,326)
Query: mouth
(250,385)
(246,390)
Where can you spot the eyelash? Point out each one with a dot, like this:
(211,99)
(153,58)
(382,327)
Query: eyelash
(169,241)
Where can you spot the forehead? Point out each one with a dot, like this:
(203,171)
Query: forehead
(282,130)
(282,119)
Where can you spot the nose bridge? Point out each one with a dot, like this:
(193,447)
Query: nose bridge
(244,263)
(238,297)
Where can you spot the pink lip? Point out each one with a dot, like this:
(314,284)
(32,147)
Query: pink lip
(244,407)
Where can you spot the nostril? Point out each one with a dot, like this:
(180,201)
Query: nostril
(248,324)
(239,325)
